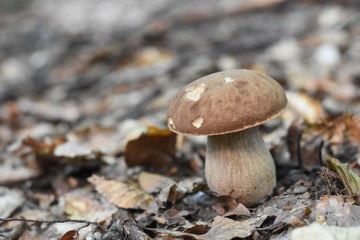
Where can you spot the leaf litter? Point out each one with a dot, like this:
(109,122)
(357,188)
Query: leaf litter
(83,119)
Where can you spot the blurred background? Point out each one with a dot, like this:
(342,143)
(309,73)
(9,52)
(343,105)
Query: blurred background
(69,64)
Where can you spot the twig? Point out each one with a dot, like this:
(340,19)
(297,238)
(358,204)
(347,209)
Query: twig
(298,149)
(320,153)
(52,221)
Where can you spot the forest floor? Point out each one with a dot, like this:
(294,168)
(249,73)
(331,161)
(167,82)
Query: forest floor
(85,152)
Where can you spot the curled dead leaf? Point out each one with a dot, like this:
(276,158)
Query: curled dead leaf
(155,148)
(348,177)
(239,211)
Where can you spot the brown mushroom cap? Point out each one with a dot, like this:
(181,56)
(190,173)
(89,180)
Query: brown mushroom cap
(225,102)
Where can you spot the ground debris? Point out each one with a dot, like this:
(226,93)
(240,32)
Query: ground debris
(83,117)
(317,231)
(121,194)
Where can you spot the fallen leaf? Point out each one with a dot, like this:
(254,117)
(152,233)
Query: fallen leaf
(168,188)
(225,228)
(239,211)
(70,235)
(222,228)
(302,105)
(152,183)
(121,194)
(190,185)
(342,134)
(155,147)
(225,204)
(197,228)
(350,179)
(186,186)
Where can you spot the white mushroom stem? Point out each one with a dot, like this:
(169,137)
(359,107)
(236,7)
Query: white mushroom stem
(239,164)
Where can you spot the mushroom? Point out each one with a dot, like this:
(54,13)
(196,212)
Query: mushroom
(228,106)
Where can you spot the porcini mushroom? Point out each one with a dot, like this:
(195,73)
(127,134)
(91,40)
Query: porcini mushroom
(228,106)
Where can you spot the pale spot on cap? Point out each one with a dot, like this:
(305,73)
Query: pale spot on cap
(228,79)
(171,122)
(194,92)
(198,122)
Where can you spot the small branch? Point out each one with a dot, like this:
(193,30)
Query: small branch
(52,221)
(298,149)
(320,153)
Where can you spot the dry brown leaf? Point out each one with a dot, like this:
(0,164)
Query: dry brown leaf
(225,228)
(222,228)
(342,134)
(240,210)
(188,185)
(154,148)
(198,228)
(152,183)
(225,204)
(70,235)
(337,130)
(121,194)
